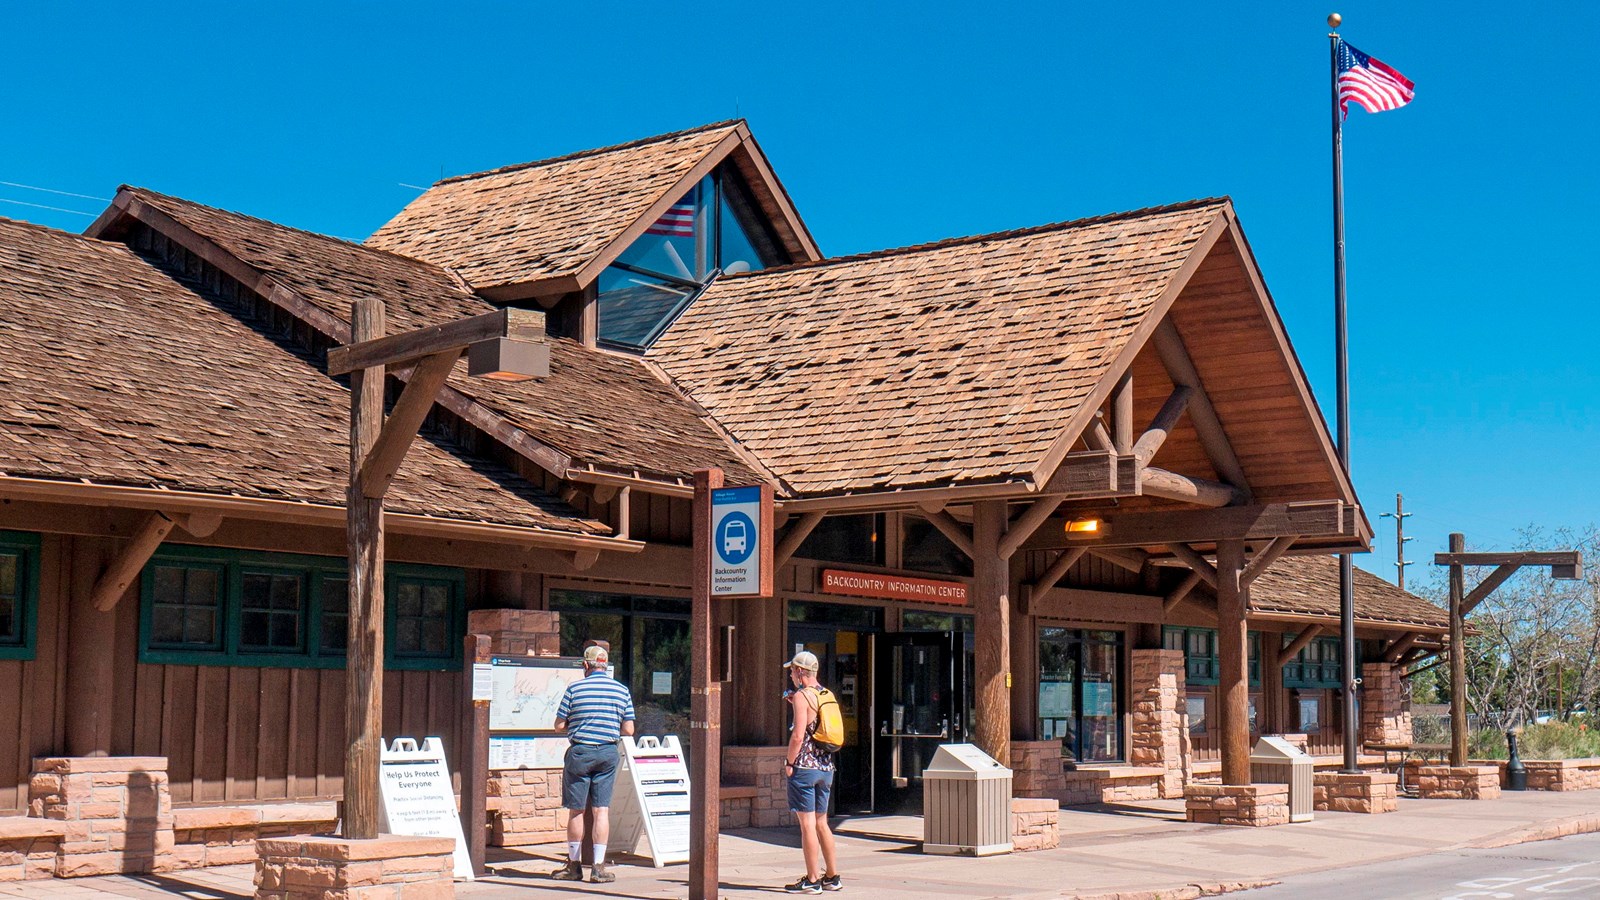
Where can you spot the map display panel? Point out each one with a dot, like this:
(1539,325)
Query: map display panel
(527,691)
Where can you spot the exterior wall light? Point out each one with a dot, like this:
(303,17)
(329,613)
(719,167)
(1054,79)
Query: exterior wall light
(508,359)
(1089,527)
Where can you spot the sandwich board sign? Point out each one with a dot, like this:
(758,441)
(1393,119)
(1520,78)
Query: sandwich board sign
(741,541)
(650,809)
(417,799)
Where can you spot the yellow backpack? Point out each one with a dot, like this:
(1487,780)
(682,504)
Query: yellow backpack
(829,735)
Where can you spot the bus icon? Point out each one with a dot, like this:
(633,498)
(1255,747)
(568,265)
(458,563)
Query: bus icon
(735,538)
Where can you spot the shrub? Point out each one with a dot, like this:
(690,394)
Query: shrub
(1553,740)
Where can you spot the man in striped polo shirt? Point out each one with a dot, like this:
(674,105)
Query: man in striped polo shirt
(595,712)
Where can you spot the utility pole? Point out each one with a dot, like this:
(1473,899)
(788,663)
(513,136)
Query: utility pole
(1399,515)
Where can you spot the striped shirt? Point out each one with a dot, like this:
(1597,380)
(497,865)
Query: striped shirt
(595,708)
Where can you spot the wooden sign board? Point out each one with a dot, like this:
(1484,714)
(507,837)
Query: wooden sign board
(650,808)
(417,799)
(741,541)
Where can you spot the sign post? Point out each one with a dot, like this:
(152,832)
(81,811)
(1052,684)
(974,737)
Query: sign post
(733,559)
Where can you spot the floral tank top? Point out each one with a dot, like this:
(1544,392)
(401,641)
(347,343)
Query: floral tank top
(812,756)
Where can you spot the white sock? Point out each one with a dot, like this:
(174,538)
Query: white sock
(599,854)
(574,851)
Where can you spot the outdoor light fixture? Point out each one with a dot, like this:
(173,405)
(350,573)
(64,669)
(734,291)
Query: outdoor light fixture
(508,359)
(1089,526)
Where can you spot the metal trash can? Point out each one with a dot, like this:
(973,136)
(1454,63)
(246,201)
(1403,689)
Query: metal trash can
(1276,761)
(966,803)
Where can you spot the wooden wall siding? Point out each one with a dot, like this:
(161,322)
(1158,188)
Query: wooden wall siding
(1089,572)
(31,692)
(248,734)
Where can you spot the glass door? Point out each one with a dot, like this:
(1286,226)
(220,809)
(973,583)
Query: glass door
(921,704)
(845,667)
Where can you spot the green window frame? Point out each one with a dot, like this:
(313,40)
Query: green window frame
(282,610)
(1201,660)
(1317,665)
(19,594)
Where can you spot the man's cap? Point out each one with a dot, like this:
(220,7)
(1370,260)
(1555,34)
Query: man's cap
(805,659)
(596,656)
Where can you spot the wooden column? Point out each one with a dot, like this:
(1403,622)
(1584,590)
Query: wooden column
(475,755)
(991,608)
(1122,414)
(1458,657)
(91,633)
(705,706)
(364,522)
(1233,658)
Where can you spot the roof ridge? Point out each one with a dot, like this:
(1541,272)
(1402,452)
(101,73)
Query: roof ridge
(52,230)
(346,242)
(626,145)
(990,236)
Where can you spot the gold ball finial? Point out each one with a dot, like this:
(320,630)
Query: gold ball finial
(1334,19)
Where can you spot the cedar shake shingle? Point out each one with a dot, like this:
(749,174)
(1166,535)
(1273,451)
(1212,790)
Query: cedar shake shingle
(1309,585)
(952,363)
(603,410)
(117,374)
(546,219)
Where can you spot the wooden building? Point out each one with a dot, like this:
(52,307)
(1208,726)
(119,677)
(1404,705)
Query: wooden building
(942,426)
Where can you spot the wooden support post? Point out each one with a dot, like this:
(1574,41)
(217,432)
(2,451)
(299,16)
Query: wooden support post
(705,705)
(1122,414)
(126,566)
(475,756)
(1161,426)
(1234,660)
(1299,643)
(1181,592)
(1458,657)
(1096,437)
(364,522)
(991,583)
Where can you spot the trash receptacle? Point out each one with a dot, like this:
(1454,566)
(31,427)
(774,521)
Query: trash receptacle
(1276,761)
(966,803)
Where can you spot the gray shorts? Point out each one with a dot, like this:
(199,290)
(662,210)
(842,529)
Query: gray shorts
(588,775)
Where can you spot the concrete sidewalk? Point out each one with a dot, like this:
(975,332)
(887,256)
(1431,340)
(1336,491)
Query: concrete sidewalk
(1104,851)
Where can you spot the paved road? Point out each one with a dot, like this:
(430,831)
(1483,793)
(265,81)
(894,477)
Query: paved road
(1569,867)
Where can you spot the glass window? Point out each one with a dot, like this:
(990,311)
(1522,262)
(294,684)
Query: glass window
(863,618)
(924,548)
(1309,716)
(1195,705)
(1201,659)
(851,540)
(11,578)
(270,611)
(19,590)
(921,620)
(421,617)
(186,606)
(1080,701)
(649,642)
(335,614)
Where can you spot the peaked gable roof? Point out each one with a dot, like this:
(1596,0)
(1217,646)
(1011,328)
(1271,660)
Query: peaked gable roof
(960,362)
(166,389)
(597,410)
(549,226)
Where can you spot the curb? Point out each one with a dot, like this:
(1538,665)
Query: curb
(1543,831)
(1188,891)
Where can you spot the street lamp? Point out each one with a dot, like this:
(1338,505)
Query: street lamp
(506,345)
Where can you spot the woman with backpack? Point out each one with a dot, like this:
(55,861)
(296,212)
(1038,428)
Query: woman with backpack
(815,737)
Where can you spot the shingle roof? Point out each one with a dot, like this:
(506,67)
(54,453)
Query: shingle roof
(545,219)
(1309,585)
(603,410)
(956,362)
(115,373)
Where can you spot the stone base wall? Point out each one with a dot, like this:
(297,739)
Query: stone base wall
(1362,792)
(1035,824)
(226,836)
(1457,782)
(1157,700)
(116,812)
(518,632)
(29,848)
(760,768)
(1385,705)
(329,868)
(1256,805)
(1563,774)
(525,807)
(1036,769)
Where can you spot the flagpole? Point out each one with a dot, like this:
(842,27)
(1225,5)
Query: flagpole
(1347,610)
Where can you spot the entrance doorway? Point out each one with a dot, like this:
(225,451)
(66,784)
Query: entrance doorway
(924,700)
(846,658)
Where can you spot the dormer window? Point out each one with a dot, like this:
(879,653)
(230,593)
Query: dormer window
(713,229)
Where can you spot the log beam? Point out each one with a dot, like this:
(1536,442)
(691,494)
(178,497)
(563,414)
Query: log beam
(1180,367)
(1266,556)
(1287,654)
(1199,564)
(1096,437)
(400,429)
(1023,527)
(1156,434)
(954,530)
(198,524)
(119,575)
(794,536)
(1486,587)
(1132,560)
(1311,520)
(1058,569)
(1399,648)
(1154,482)
(450,337)
(1182,591)
(1122,415)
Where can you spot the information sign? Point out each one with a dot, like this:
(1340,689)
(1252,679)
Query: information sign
(650,807)
(741,542)
(527,690)
(416,797)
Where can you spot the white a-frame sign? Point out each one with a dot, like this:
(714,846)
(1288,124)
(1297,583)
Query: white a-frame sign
(417,799)
(650,808)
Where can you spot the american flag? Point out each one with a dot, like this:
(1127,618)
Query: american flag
(1372,84)
(677,221)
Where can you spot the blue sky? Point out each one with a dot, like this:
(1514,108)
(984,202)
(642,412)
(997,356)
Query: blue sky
(1470,213)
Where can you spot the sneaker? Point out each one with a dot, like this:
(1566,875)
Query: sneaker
(572,871)
(602,874)
(832,883)
(804,886)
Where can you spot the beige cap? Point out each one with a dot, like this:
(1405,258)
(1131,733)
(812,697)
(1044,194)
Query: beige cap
(805,659)
(596,656)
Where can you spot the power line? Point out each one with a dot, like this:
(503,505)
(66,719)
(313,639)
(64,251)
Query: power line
(53,191)
(52,208)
